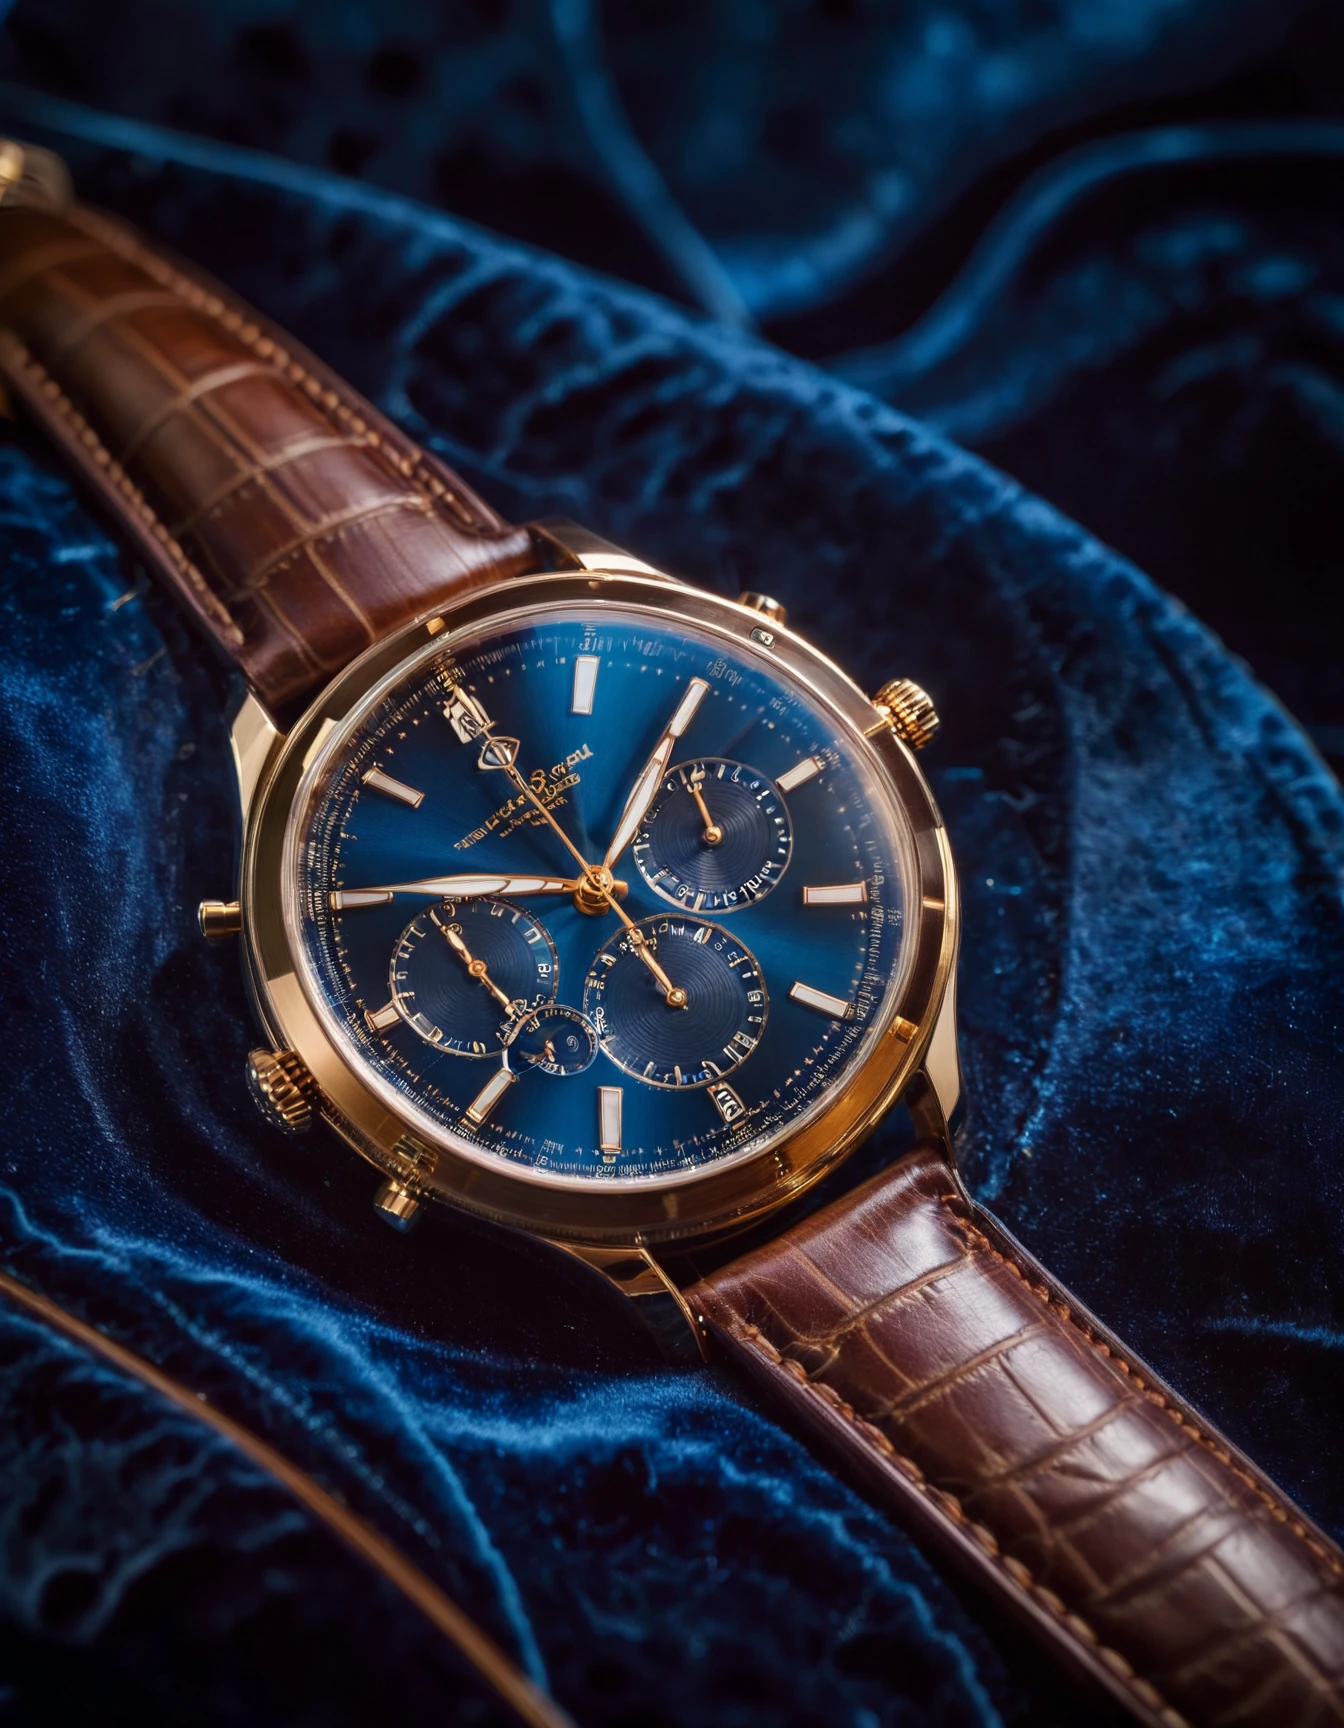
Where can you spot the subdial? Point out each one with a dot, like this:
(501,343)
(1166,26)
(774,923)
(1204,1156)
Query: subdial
(463,971)
(717,1029)
(556,1039)
(716,837)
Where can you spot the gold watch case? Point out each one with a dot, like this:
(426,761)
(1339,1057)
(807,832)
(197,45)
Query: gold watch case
(915,1050)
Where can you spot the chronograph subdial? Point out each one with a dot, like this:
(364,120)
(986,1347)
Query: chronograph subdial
(555,1039)
(669,1046)
(464,971)
(716,837)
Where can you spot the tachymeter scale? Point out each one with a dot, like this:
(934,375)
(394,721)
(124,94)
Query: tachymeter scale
(463,972)
(718,1027)
(717,836)
(402,797)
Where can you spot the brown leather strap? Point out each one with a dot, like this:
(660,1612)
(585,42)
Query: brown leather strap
(911,1333)
(296,523)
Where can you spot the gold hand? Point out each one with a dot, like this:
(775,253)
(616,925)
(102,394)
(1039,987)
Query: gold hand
(597,878)
(477,968)
(644,788)
(713,833)
(475,886)
(676,996)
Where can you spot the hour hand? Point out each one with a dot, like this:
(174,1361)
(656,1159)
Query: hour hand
(644,788)
(457,888)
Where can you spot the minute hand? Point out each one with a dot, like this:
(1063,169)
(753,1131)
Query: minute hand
(598,877)
(642,792)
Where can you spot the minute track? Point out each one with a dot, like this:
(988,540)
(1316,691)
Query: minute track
(704,1081)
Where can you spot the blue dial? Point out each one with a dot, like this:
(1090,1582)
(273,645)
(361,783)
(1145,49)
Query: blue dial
(556,1039)
(695,1028)
(482,863)
(717,836)
(465,971)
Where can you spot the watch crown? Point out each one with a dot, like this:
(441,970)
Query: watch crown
(763,603)
(282,1089)
(219,919)
(396,1205)
(909,711)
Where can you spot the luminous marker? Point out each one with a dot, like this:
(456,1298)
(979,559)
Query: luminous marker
(377,781)
(695,692)
(729,1105)
(585,682)
(488,1096)
(346,899)
(801,771)
(836,1006)
(609,1119)
(841,894)
(381,1018)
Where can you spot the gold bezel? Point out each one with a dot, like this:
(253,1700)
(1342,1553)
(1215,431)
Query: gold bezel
(706,1202)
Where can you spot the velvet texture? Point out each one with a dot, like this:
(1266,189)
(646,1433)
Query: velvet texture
(1149,848)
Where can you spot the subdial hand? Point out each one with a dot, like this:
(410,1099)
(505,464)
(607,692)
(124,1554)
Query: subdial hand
(477,968)
(713,833)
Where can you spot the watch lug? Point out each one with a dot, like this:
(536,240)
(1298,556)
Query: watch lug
(659,1306)
(255,740)
(933,1097)
(577,548)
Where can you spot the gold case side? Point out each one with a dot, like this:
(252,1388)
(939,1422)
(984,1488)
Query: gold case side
(711,1201)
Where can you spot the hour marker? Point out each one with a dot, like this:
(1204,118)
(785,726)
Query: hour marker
(488,1096)
(585,682)
(836,1006)
(465,714)
(381,1018)
(686,708)
(609,1120)
(346,899)
(729,1105)
(840,894)
(377,781)
(800,772)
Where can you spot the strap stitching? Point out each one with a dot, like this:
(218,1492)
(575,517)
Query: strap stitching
(976,1239)
(951,1506)
(265,348)
(135,500)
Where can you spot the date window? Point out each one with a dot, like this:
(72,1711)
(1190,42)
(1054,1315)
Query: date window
(730,1106)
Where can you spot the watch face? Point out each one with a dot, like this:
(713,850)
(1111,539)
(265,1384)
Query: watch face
(601,894)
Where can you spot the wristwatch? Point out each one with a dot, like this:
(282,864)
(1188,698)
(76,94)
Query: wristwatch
(611,912)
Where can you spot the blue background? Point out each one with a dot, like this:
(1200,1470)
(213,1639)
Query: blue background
(1096,245)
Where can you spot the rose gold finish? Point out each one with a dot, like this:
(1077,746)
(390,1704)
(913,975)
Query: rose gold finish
(908,710)
(396,1205)
(647,781)
(713,833)
(764,604)
(617,1210)
(282,1089)
(219,919)
(477,968)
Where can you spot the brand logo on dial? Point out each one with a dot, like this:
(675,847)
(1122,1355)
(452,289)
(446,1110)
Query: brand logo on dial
(548,784)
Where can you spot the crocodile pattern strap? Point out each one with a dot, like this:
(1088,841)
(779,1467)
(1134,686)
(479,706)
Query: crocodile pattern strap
(908,1331)
(295,522)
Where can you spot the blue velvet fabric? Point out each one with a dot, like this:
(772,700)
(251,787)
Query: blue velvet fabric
(1150,851)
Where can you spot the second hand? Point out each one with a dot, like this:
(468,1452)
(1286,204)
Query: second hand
(597,877)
